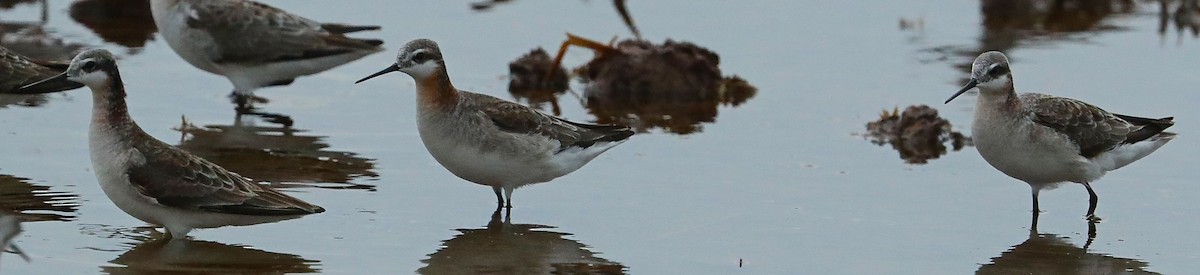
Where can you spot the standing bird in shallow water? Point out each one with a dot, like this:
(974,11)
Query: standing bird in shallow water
(158,183)
(1046,140)
(255,45)
(490,141)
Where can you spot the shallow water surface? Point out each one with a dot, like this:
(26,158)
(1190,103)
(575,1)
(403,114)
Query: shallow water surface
(781,183)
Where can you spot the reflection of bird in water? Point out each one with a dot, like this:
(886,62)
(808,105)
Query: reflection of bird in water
(21,76)
(1186,17)
(124,22)
(158,183)
(36,202)
(506,248)
(30,39)
(8,4)
(10,227)
(1013,24)
(618,4)
(276,154)
(157,255)
(490,141)
(255,45)
(1053,254)
(674,85)
(21,201)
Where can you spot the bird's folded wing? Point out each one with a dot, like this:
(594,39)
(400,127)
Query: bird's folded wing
(520,119)
(1091,128)
(178,179)
(250,33)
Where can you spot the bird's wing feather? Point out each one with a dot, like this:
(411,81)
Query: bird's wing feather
(179,179)
(1091,128)
(519,119)
(248,32)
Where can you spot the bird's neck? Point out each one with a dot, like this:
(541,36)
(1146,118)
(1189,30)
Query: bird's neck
(436,92)
(108,106)
(1003,100)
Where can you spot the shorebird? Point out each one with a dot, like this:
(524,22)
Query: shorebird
(158,183)
(490,141)
(17,72)
(255,45)
(1045,140)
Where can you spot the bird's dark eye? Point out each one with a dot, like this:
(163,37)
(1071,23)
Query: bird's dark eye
(998,70)
(420,57)
(88,66)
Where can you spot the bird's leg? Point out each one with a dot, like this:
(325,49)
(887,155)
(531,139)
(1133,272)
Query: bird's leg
(499,198)
(245,107)
(508,193)
(177,233)
(554,107)
(1092,200)
(241,102)
(17,250)
(245,103)
(1036,212)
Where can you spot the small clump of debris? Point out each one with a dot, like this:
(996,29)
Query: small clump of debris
(535,78)
(638,67)
(674,85)
(918,133)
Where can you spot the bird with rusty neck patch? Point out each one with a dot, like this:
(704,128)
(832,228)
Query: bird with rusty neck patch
(158,183)
(1046,140)
(490,141)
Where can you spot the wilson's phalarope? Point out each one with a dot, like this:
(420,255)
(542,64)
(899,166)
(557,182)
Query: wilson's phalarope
(17,72)
(490,141)
(158,183)
(255,45)
(1046,140)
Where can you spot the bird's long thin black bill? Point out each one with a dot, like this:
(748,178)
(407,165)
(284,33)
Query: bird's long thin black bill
(389,69)
(31,88)
(969,86)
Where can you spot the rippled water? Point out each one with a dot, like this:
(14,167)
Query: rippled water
(782,182)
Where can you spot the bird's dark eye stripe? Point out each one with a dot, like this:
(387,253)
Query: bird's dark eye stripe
(998,70)
(420,57)
(88,66)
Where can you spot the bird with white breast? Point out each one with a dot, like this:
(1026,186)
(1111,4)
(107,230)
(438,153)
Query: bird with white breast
(255,45)
(158,183)
(1046,140)
(491,141)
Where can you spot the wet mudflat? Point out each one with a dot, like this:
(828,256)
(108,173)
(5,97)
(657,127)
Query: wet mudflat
(781,182)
